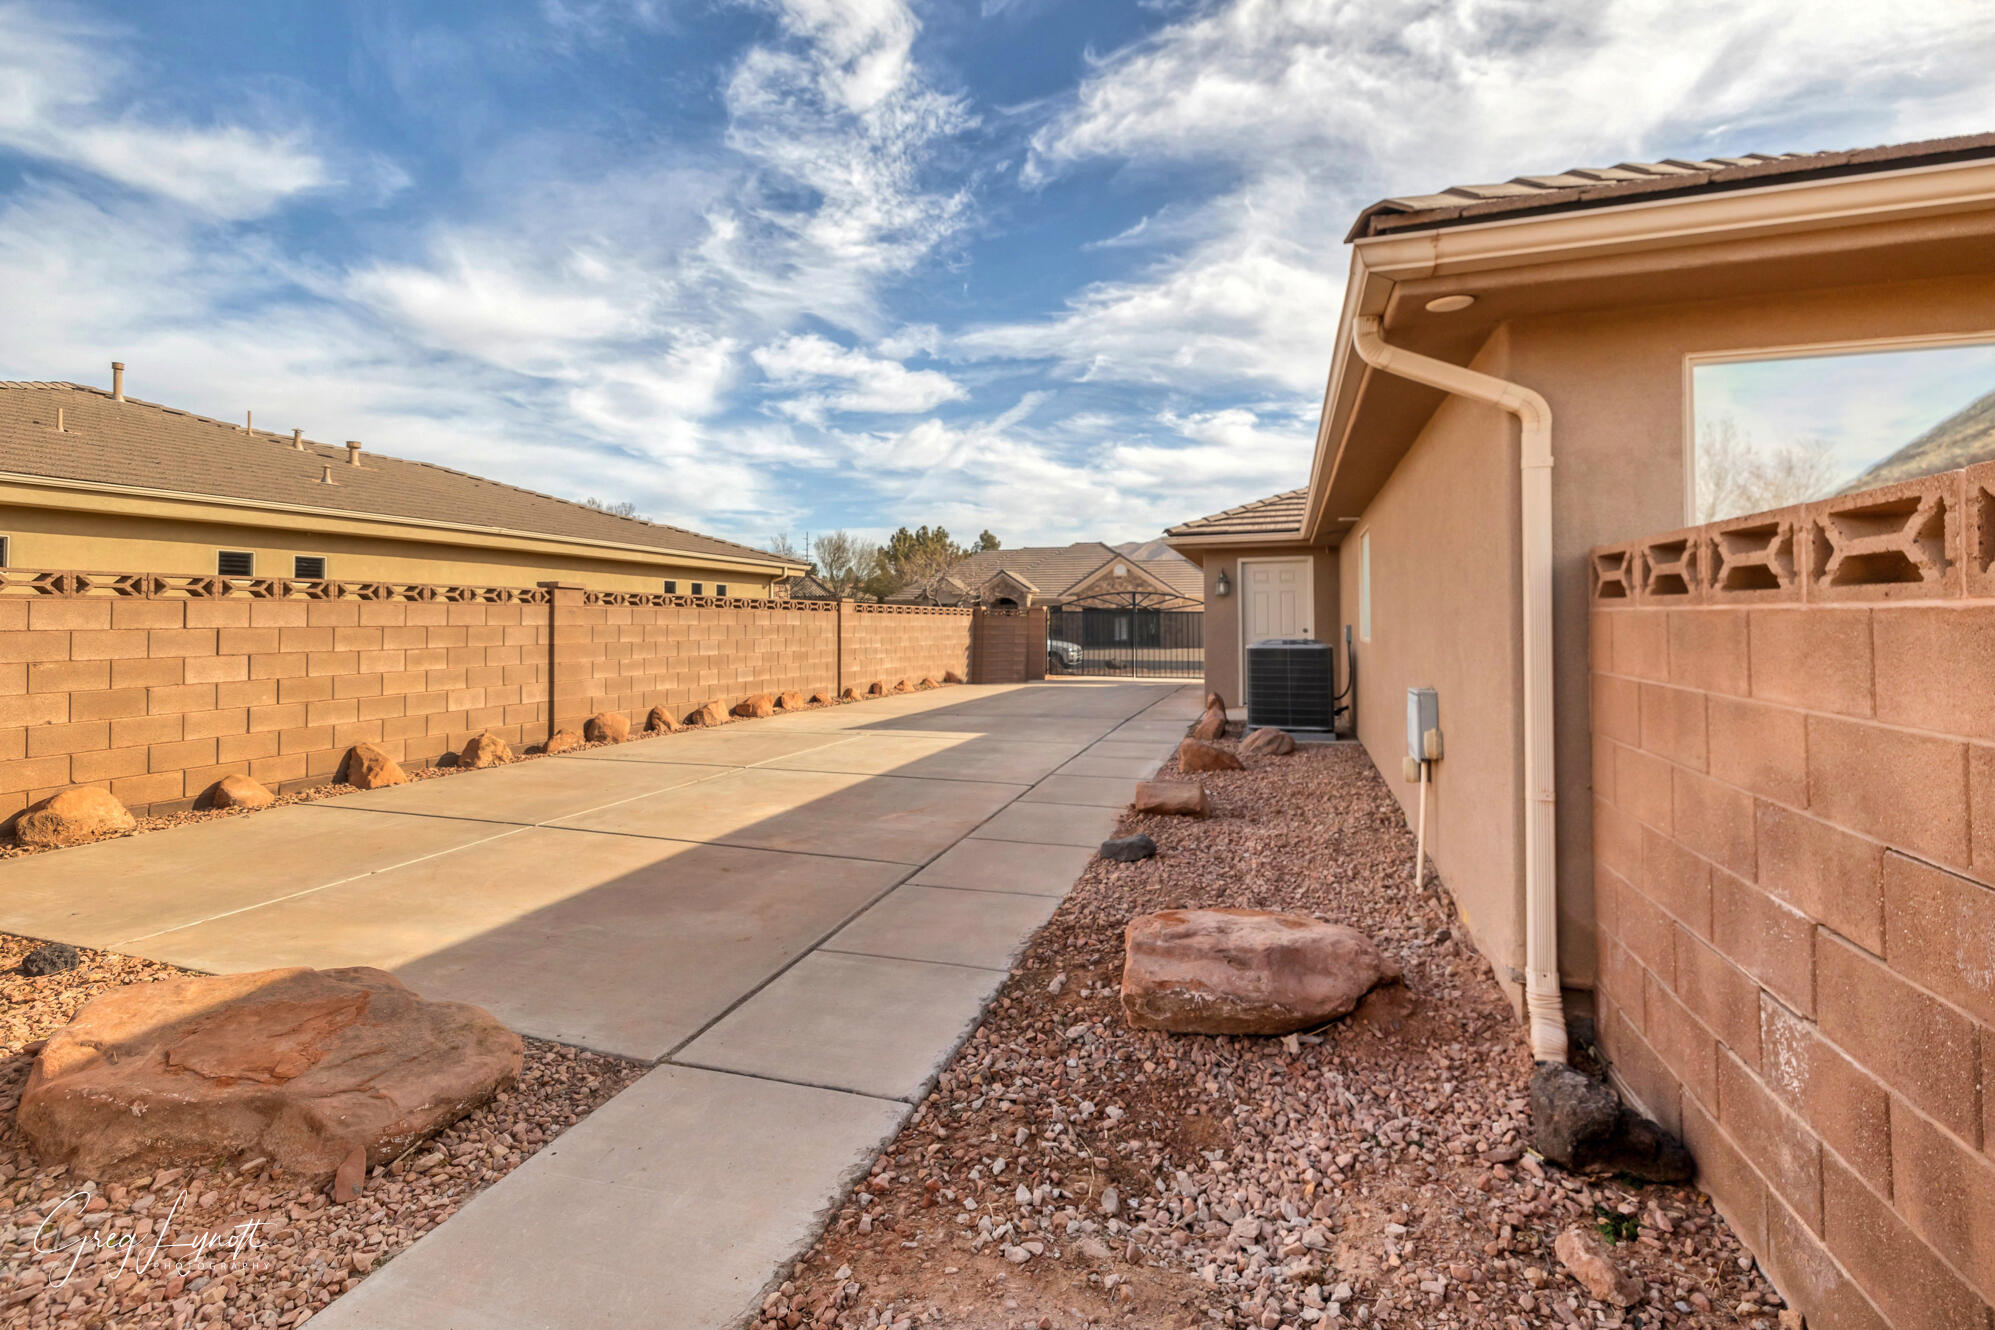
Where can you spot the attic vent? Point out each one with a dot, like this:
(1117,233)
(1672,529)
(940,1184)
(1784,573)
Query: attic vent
(310,567)
(235,563)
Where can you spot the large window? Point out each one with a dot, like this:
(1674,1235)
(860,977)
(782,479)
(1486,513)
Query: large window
(1786,429)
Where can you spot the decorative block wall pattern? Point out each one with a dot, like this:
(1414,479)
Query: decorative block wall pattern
(1794,783)
(157,687)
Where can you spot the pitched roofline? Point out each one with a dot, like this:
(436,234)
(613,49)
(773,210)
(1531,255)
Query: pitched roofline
(386,519)
(1644,224)
(1628,182)
(749,554)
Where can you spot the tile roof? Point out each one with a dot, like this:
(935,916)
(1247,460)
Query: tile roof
(1052,570)
(147,446)
(1277,515)
(1631,182)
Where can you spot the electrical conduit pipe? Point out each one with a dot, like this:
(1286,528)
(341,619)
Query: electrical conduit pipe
(1544,1009)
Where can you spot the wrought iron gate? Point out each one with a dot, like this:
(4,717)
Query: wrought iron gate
(1125,641)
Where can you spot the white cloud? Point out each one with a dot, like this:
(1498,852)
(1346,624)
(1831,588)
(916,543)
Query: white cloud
(1282,118)
(871,384)
(55,81)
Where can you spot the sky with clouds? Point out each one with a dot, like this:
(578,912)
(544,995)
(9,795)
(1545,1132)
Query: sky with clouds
(1065,269)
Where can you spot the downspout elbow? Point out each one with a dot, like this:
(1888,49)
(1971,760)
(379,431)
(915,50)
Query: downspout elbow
(1544,1004)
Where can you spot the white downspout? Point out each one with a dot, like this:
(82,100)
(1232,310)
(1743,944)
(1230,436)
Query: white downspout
(1543,1006)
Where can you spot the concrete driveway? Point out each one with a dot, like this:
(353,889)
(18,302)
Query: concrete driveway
(801,917)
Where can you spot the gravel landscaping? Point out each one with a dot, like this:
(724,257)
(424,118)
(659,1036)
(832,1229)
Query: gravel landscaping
(1070,1171)
(226,1247)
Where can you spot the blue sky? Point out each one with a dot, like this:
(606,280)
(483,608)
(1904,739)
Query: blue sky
(1063,268)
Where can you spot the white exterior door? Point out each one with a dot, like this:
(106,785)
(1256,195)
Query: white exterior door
(1274,599)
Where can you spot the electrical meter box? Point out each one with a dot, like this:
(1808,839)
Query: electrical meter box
(1423,716)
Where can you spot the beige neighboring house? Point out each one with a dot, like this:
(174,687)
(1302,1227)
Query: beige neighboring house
(1087,573)
(1511,387)
(94,481)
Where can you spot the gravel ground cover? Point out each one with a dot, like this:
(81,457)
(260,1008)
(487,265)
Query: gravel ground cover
(1068,1171)
(218,1246)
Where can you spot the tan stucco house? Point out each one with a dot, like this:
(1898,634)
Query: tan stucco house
(1511,386)
(94,481)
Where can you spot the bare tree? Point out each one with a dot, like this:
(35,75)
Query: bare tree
(845,561)
(624,509)
(781,545)
(1736,477)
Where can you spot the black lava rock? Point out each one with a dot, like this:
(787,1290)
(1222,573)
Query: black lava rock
(50,958)
(1581,1124)
(1129,849)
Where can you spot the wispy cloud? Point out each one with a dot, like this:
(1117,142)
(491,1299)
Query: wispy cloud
(57,82)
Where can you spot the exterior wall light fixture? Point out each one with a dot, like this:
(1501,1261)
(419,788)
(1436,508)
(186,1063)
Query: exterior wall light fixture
(1223,586)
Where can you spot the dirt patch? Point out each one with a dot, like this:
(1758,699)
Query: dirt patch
(1069,1171)
(235,1247)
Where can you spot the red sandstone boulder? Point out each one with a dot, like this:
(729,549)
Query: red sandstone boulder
(1214,702)
(928,681)
(790,702)
(1196,756)
(1269,743)
(562,741)
(368,768)
(72,817)
(712,713)
(485,750)
(660,722)
(851,694)
(950,676)
(1210,726)
(311,1069)
(820,700)
(1588,1259)
(877,690)
(1181,797)
(761,704)
(903,686)
(1244,971)
(606,727)
(236,790)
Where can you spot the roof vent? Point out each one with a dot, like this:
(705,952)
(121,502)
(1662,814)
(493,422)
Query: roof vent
(298,439)
(353,452)
(249,422)
(326,478)
(117,380)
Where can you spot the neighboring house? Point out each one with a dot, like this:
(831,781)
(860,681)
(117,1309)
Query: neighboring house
(94,481)
(805,586)
(1453,544)
(1086,574)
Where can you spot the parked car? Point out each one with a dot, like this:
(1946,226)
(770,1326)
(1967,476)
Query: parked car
(1061,655)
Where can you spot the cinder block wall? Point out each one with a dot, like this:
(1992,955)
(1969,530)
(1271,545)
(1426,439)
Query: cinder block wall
(1008,646)
(157,699)
(156,687)
(888,643)
(615,655)
(1794,779)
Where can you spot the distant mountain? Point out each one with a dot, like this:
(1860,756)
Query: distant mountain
(1962,439)
(1147,549)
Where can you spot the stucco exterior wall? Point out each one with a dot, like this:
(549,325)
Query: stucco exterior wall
(1445,558)
(1795,850)
(1444,615)
(1224,654)
(159,537)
